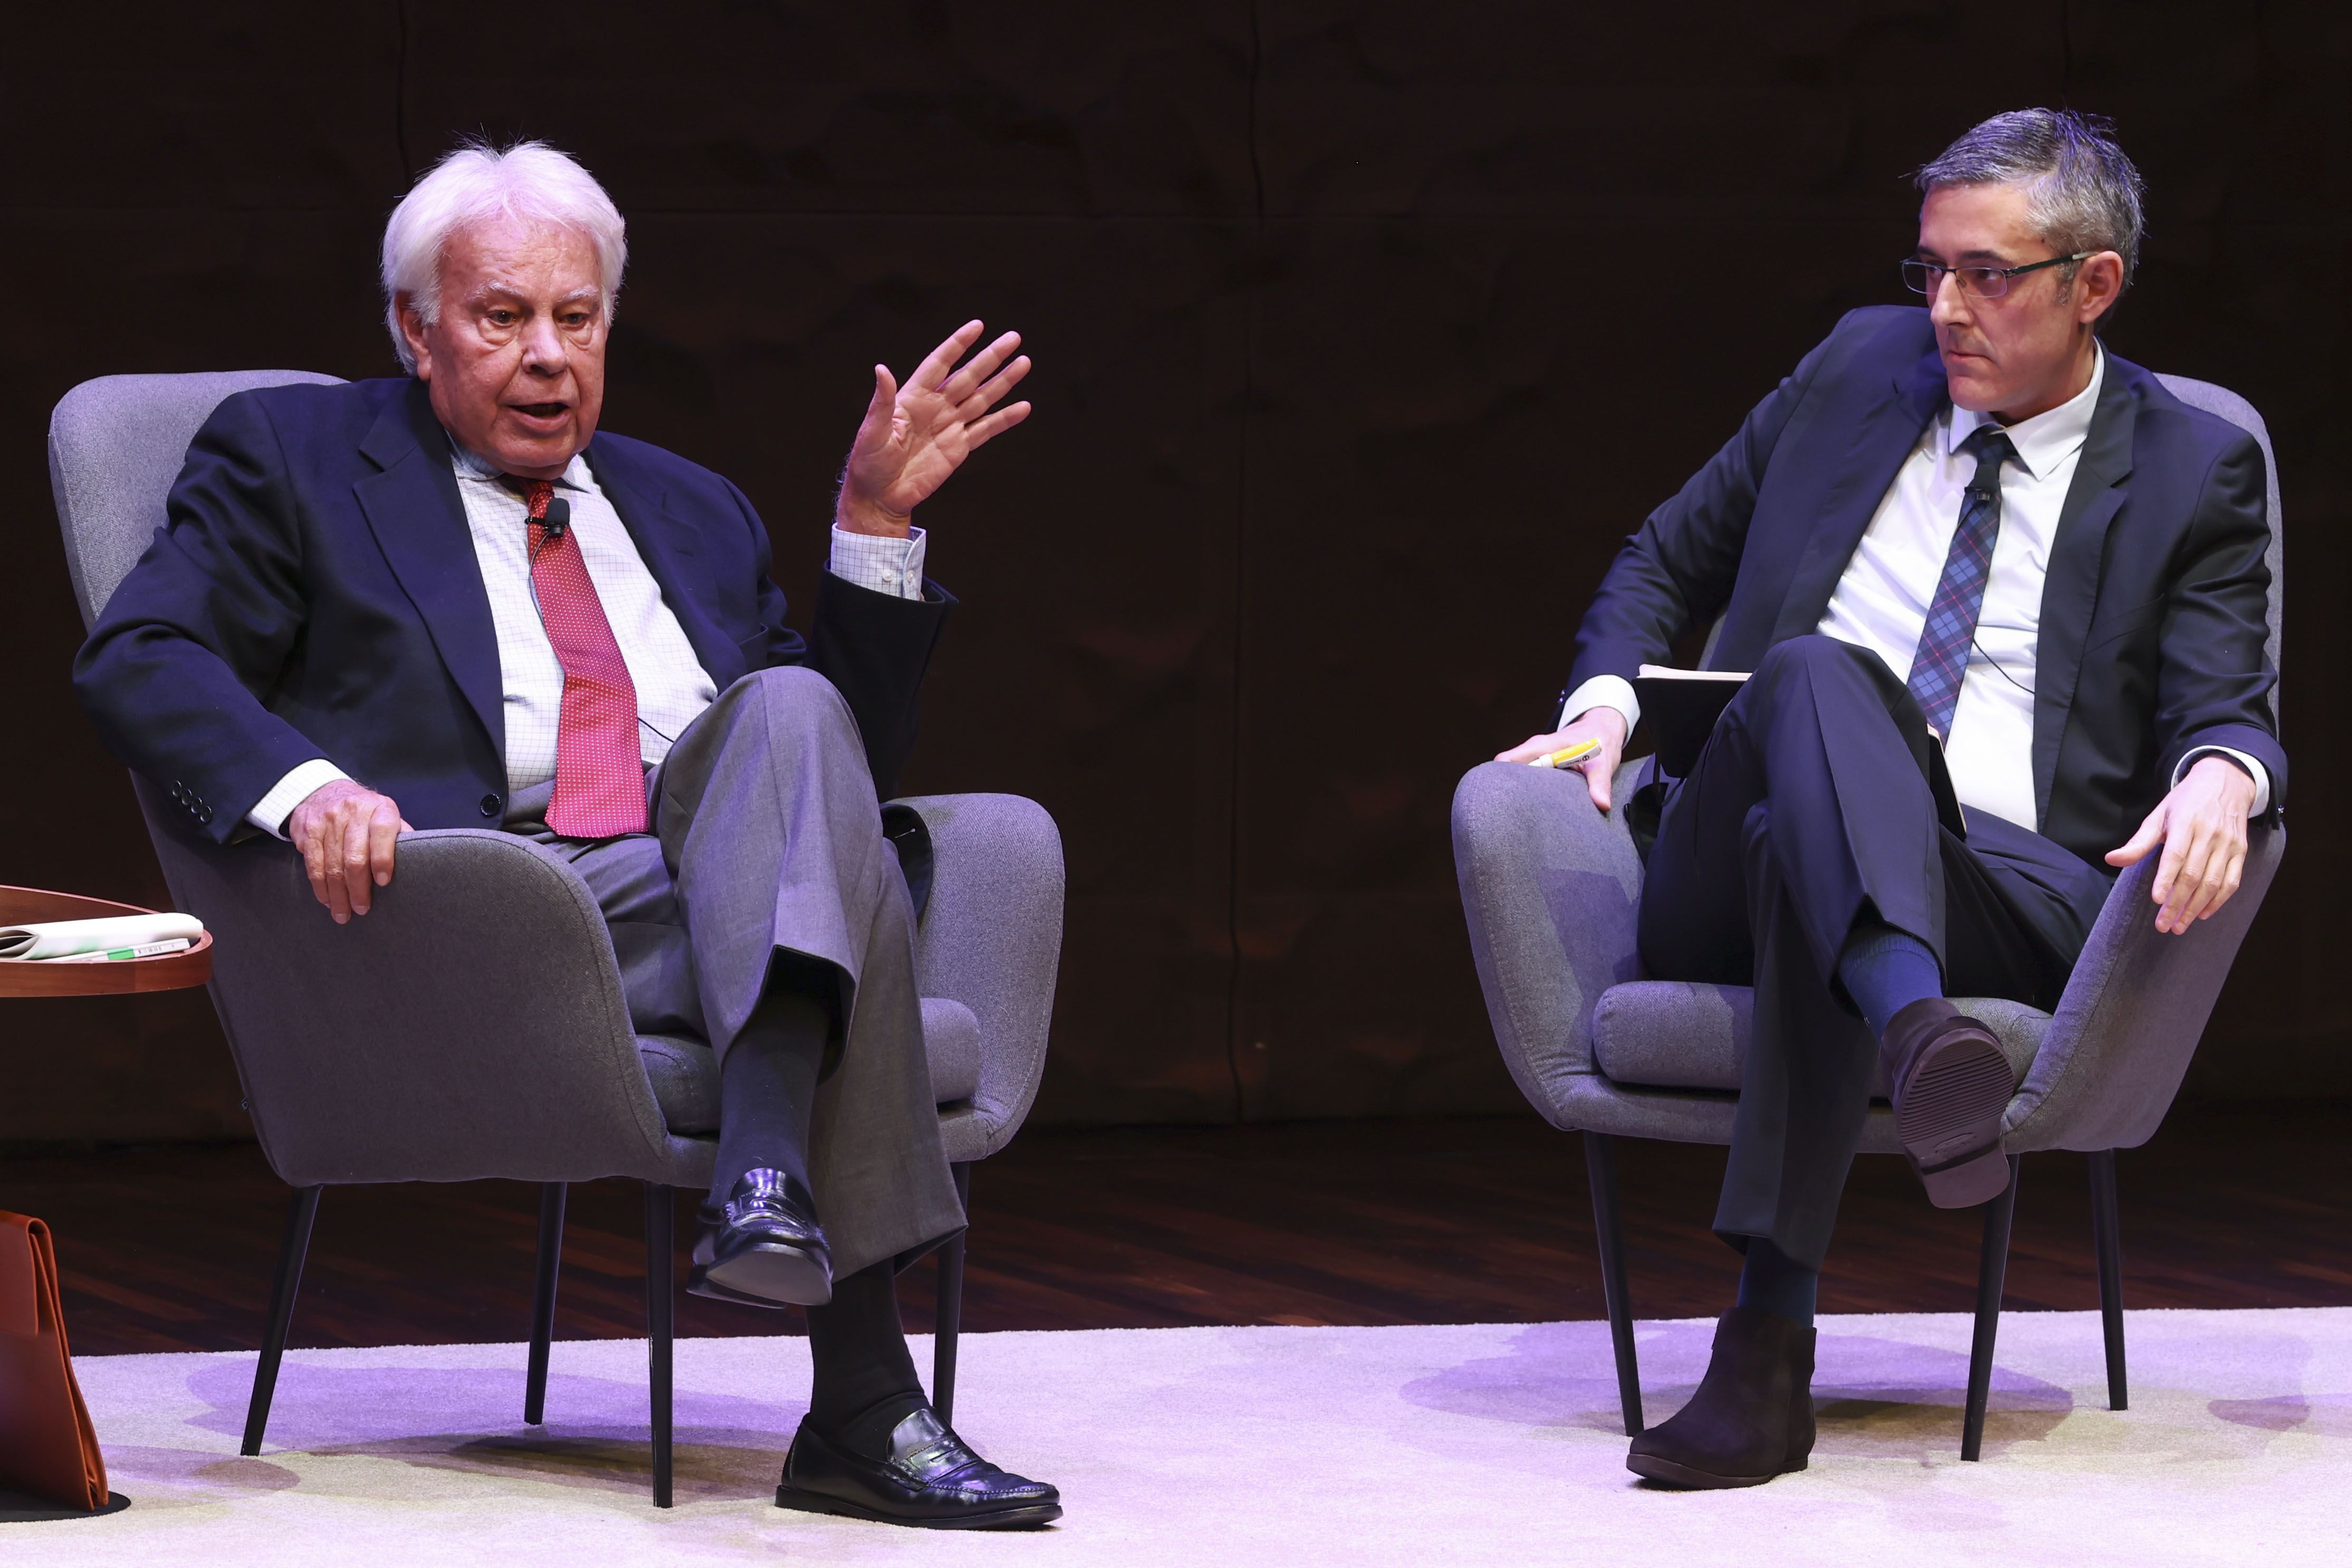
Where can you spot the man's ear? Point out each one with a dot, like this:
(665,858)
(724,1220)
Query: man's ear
(2097,285)
(412,328)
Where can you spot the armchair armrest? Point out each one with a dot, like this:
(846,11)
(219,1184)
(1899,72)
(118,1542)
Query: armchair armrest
(2120,1042)
(1550,888)
(991,939)
(471,1025)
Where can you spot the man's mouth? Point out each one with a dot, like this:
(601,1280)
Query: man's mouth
(541,410)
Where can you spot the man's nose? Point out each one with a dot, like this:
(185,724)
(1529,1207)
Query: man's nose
(1950,306)
(543,347)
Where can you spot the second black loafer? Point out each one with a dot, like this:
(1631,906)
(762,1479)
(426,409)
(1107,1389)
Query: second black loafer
(766,1248)
(930,1479)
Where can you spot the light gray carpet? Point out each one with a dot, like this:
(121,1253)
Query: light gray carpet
(1485,1444)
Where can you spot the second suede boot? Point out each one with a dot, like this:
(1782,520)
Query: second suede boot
(1752,1418)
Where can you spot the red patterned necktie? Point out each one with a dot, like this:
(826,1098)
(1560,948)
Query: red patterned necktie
(600,777)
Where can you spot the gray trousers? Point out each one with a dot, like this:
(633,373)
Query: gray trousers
(767,851)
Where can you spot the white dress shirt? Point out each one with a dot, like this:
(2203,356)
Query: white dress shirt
(1881,601)
(672,686)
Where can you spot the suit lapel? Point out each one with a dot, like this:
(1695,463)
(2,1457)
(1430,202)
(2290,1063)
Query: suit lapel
(2070,592)
(419,521)
(667,549)
(1884,438)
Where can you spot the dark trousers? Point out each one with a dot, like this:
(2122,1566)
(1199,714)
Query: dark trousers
(1810,811)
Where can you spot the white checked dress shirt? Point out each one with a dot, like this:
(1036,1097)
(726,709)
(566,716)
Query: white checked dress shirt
(672,688)
(1881,599)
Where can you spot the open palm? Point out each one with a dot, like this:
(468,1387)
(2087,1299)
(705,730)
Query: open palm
(915,436)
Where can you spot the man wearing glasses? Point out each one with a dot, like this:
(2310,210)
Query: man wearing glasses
(1969,556)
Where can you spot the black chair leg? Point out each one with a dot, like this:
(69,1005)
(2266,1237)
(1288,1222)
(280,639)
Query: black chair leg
(949,1322)
(660,1263)
(1992,1274)
(542,1305)
(1600,1174)
(2106,1235)
(299,1218)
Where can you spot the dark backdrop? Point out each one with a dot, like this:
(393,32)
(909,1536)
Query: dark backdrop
(1363,333)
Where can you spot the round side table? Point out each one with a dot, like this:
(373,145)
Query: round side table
(170,972)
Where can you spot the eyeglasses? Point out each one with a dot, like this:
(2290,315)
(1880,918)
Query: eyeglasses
(1978,282)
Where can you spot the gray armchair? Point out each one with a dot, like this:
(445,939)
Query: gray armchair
(541,1080)
(1550,888)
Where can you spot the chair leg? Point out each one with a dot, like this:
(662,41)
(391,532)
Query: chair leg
(949,1322)
(660,1264)
(2106,1236)
(542,1305)
(1993,1272)
(291,1250)
(1600,1174)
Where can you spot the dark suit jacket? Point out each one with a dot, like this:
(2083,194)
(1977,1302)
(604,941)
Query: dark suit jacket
(2154,614)
(314,593)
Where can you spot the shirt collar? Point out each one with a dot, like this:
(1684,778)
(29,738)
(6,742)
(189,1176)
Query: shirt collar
(471,465)
(2048,438)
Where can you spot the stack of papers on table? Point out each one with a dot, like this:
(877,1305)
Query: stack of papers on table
(116,936)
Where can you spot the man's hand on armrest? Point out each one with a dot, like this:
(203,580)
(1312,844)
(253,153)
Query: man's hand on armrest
(1605,724)
(2202,826)
(346,831)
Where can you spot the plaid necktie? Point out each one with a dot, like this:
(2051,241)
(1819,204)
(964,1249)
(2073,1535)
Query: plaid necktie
(600,775)
(1942,662)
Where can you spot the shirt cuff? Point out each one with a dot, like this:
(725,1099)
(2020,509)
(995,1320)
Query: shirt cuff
(2256,770)
(269,813)
(878,562)
(1602,691)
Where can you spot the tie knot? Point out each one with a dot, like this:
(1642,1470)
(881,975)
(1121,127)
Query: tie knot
(1991,447)
(535,494)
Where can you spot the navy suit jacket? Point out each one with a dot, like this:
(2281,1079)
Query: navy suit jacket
(2154,614)
(313,592)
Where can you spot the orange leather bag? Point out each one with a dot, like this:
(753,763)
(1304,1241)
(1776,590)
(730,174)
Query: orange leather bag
(46,1447)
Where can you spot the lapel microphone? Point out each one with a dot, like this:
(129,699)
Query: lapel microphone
(558,520)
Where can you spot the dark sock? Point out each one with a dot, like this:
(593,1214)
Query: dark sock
(1885,970)
(1772,1282)
(864,1382)
(767,1089)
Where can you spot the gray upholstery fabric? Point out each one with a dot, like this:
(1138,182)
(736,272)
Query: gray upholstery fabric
(1679,1034)
(991,939)
(363,1060)
(1550,887)
(2229,405)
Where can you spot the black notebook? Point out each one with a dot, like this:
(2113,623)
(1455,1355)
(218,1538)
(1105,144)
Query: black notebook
(1681,706)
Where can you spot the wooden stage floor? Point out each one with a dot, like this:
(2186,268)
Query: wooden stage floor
(172,1247)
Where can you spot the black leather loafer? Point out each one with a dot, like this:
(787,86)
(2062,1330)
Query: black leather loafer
(1951,1085)
(931,1479)
(765,1249)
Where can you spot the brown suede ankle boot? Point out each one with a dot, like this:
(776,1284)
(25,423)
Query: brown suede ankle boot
(1752,1418)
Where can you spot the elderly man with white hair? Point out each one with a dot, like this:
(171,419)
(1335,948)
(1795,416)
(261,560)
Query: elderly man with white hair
(448,599)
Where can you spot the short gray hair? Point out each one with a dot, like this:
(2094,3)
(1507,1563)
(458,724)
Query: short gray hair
(2081,192)
(478,183)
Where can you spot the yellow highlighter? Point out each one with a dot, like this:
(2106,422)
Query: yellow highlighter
(1568,756)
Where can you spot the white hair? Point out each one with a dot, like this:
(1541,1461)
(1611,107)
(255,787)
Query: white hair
(478,183)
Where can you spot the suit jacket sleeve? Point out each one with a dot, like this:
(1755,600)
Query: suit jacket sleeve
(2213,677)
(874,648)
(1676,573)
(176,673)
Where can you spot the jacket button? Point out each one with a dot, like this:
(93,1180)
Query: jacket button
(491,804)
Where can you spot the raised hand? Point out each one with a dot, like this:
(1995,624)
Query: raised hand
(915,436)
